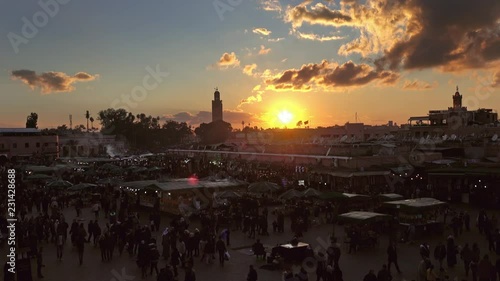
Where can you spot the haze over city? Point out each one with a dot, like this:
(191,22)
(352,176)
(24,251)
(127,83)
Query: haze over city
(274,62)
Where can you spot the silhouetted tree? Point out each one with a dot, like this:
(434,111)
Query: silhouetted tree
(32,121)
(116,121)
(214,132)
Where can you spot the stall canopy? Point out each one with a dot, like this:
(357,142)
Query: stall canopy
(59,184)
(343,196)
(290,194)
(41,169)
(38,177)
(311,192)
(81,186)
(390,197)
(109,181)
(416,204)
(184,184)
(363,217)
(228,194)
(263,187)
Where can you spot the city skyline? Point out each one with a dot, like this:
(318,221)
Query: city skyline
(275,62)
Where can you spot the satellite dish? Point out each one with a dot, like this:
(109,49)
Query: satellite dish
(344,138)
(495,137)
(445,137)
(453,137)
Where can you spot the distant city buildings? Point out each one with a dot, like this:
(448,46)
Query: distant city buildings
(456,116)
(25,143)
(216,107)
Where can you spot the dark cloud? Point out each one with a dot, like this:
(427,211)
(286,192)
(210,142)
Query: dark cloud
(329,75)
(451,35)
(233,117)
(50,82)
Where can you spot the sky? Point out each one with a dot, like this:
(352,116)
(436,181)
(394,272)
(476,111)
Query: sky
(275,62)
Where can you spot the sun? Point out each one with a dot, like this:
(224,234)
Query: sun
(285,117)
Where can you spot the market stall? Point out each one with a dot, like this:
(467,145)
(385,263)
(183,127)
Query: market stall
(417,217)
(378,200)
(363,228)
(187,196)
(348,201)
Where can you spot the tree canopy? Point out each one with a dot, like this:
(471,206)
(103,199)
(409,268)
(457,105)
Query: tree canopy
(214,132)
(32,121)
(141,130)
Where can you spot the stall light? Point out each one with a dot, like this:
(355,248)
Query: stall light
(475,185)
(169,194)
(479,180)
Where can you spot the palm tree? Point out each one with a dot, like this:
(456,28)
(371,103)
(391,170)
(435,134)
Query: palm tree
(92,123)
(87,116)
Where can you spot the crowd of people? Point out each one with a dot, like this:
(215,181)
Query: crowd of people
(54,218)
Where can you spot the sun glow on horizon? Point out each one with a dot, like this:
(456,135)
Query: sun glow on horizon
(285,117)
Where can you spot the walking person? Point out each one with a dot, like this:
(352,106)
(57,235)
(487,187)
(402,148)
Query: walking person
(252,274)
(155,256)
(181,248)
(467,221)
(175,260)
(59,246)
(95,208)
(440,254)
(485,269)
(451,252)
(392,256)
(466,255)
(190,274)
(39,262)
(431,274)
(90,229)
(221,249)
(475,261)
(80,242)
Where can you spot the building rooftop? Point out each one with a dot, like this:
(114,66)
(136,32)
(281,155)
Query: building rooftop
(18,130)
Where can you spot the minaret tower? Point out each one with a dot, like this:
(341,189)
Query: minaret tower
(457,100)
(216,106)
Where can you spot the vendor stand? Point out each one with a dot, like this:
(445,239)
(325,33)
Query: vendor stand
(378,200)
(364,228)
(417,217)
(292,253)
(346,202)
